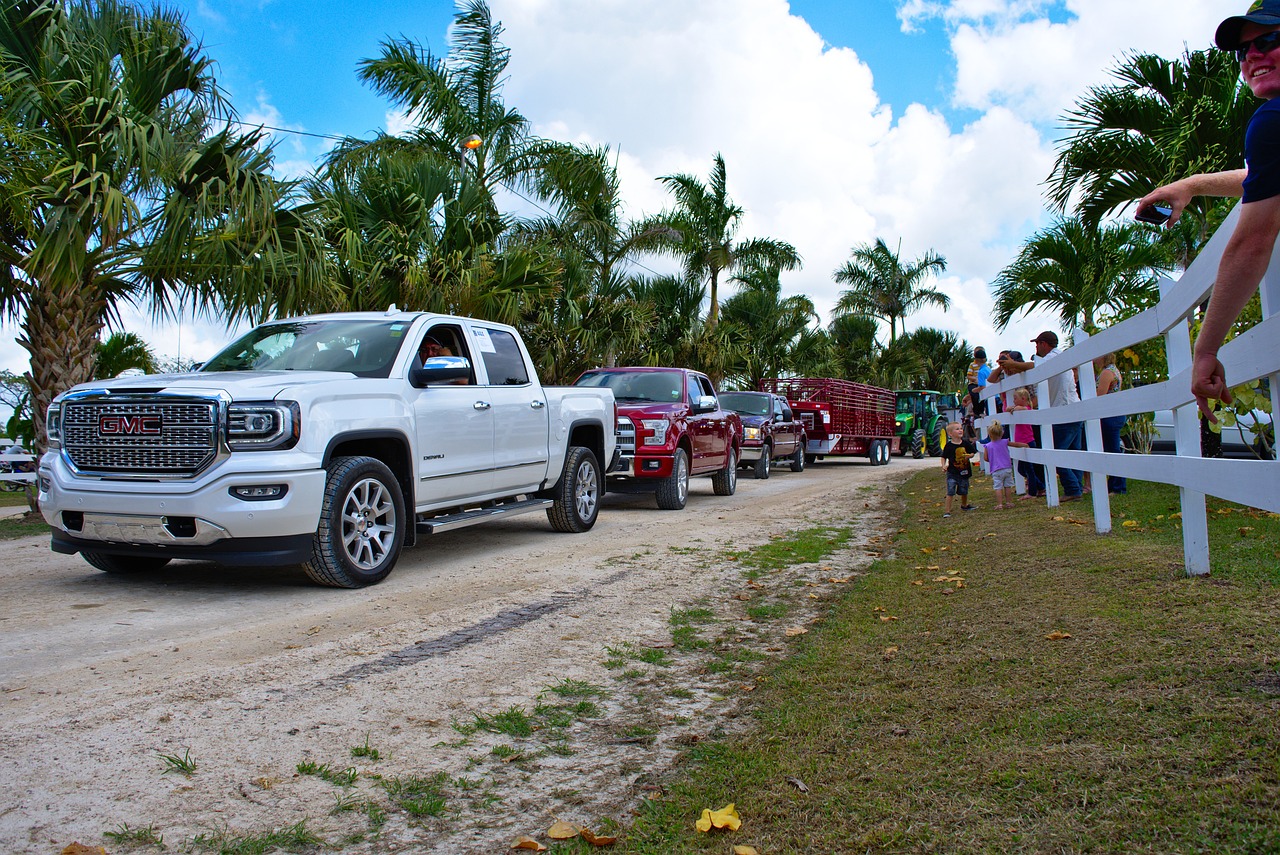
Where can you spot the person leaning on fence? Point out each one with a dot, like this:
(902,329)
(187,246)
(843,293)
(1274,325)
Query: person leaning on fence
(1255,39)
(976,380)
(957,457)
(1067,436)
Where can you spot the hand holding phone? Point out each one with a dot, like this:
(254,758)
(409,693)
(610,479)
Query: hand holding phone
(1157,215)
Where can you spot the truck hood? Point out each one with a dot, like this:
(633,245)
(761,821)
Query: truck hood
(752,421)
(649,410)
(240,385)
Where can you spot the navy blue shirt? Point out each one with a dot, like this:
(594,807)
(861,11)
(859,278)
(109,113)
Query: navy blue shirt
(1262,153)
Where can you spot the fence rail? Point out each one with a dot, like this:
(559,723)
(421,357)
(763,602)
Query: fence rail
(1250,356)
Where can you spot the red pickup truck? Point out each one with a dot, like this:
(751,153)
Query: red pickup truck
(670,426)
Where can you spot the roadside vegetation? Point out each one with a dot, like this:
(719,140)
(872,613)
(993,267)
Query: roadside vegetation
(1010,681)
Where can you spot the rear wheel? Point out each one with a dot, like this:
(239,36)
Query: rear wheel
(917,443)
(797,459)
(725,481)
(577,495)
(934,443)
(673,491)
(362,524)
(765,463)
(109,562)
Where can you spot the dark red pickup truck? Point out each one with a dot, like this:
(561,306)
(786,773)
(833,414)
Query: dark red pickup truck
(770,430)
(670,426)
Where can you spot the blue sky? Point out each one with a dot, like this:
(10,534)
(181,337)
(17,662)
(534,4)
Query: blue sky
(925,122)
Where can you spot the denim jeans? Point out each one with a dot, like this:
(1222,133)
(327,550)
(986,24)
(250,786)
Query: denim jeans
(1111,427)
(1067,437)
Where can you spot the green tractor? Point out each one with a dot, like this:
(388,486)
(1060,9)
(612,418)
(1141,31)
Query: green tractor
(919,424)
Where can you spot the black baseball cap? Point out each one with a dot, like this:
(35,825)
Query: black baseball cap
(1263,12)
(1048,336)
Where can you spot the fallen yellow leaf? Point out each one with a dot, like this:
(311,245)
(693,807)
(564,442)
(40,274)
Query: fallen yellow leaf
(918,582)
(745,850)
(597,839)
(726,817)
(887,618)
(562,831)
(796,630)
(890,652)
(526,842)
(1057,635)
(1130,523)
(926,550)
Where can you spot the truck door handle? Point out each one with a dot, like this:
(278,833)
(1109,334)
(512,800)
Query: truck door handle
(537,405)
(481,405)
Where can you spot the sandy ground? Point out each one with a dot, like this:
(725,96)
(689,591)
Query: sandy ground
(251,672)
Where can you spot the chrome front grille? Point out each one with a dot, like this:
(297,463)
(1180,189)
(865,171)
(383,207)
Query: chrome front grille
(174,438)
(626,437)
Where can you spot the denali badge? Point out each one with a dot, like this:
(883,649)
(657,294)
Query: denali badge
(129,426)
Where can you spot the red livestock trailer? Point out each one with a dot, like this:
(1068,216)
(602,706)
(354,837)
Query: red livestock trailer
(841,417)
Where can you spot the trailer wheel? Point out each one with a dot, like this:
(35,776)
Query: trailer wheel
(797,459)
(765,462)
(810,459)
(673,491)
(725,481)
(917,443)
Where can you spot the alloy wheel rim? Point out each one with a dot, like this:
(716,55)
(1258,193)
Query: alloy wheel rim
(368,524)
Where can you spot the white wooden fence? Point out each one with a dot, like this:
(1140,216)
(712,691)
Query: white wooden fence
(1251,356)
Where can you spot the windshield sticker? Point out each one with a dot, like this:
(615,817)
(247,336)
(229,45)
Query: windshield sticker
(482,340)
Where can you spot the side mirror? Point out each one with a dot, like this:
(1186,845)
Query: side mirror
(705,404)
(439,369)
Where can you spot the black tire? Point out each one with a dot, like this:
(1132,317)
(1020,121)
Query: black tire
(673,491)
(810,459)
(109,562)
(917,443)
(888,452)
(577,494)
(362,524)
(797,459)
(725,482)
(765,464)
(932,444)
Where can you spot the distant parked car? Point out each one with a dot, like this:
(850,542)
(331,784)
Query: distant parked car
(1241,440)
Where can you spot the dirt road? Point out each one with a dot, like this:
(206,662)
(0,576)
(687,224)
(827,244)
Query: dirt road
(251,672)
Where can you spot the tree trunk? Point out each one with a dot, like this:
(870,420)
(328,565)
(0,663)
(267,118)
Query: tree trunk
(59,332)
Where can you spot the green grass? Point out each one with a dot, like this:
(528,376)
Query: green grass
(135,836)
(183,764)
(962,726)
(366,751)
(293,838)
(338,777)
(419,796)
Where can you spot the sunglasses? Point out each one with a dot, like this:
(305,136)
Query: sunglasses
(1265,43)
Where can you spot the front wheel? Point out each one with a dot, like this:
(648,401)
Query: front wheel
(109,562)
(725,481)
(362,524)
(673,491)
(765,462)
(797,459)
(576,496)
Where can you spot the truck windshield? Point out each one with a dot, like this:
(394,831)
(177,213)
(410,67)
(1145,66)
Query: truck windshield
(746,403)
(662,387)
(363,348)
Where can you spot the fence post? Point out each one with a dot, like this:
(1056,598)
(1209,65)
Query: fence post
(1093,442)
(1269,293)
(1044,402)
(1186,427)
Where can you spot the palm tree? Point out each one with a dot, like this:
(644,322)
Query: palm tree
(768,326)
(943,358)
(1080,271)
(122,351)
(1163,119)
(451,99)
(703,228)
(883,287)
(126,191)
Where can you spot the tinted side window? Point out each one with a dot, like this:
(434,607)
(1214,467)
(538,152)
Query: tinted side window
(503,361)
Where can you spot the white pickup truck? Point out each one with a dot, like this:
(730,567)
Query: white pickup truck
(309,440)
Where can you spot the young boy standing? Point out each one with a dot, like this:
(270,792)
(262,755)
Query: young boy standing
(957,457)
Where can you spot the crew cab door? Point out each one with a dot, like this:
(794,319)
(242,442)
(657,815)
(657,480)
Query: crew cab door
(454,424)
(709,431)
(519,408)
(786,430)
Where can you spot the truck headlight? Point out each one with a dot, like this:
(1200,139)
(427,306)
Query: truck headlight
(53,425)
(263,427)
(658,427)
(751,433)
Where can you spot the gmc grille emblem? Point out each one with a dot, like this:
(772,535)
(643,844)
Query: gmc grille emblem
(129,426)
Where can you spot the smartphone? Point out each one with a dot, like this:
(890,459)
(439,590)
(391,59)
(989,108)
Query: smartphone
(1155,214)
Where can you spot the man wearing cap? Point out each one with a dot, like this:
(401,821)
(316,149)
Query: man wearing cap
(1067,436)
(1255,39)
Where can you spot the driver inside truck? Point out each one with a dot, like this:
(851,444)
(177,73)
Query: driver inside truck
(430,347)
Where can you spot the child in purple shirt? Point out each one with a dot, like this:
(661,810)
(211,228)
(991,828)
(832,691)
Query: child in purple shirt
(996,452)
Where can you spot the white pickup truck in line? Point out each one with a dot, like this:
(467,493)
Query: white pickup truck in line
(330,441)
